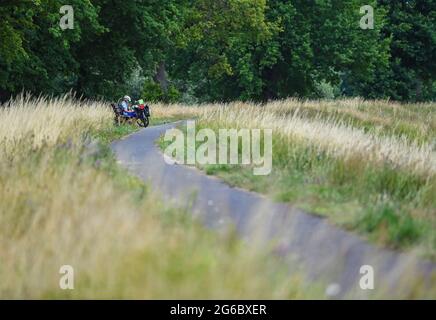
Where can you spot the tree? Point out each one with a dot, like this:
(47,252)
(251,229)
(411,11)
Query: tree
(219,57)
(39,56)
(258,50)
(219,50)
(320,41)
(411,72)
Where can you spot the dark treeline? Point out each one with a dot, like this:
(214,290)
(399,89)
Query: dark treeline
(219,50)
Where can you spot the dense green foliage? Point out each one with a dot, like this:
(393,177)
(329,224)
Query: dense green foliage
(205,50)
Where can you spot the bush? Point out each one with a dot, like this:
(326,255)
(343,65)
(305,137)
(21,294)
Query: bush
(325,90)
(153,92)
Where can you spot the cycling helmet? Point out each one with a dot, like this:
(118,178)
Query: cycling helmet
(127,98)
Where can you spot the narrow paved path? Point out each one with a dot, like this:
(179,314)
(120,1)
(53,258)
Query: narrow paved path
(325,252)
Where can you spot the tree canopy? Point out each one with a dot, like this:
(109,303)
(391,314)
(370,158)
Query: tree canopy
(220,50)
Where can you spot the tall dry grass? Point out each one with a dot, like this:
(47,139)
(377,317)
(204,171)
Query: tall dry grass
(38,121)
(414,121)
(337,138)
(177,111)
(366,165)
(61,207)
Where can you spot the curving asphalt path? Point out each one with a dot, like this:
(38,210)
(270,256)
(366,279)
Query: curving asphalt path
(327,253)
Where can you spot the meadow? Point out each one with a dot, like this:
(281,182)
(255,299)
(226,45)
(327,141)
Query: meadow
(65,201)
(368,166)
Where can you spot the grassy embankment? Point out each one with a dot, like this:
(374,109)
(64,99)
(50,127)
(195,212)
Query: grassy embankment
(367,166)
(64,201)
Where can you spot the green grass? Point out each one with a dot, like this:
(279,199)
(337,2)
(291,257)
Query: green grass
(66,201)
(197,260)
(70,203)
(117,132)
(391,207)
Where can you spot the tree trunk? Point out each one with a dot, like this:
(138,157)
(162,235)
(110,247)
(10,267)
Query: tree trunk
(161,77)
